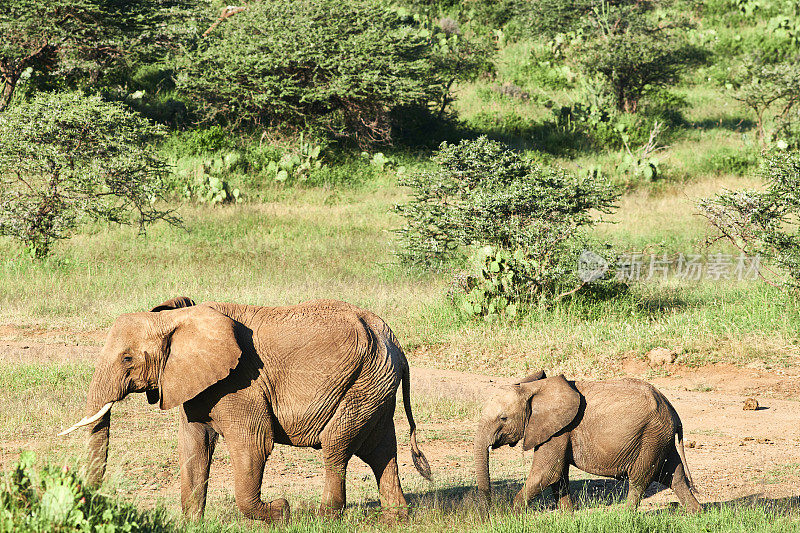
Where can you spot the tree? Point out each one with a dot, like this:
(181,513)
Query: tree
(341,65)
(634,54)
(764,223)
(64,157)
(765,86)
(79,39)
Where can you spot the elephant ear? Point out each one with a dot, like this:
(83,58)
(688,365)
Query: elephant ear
(533,377)
(554,405)
(202,350)
(174,303)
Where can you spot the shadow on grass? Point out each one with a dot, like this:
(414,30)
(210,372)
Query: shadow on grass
(586,493)
(726,123)
(657,305)
(785,505)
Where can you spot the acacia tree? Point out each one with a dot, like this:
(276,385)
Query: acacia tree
(527,220)
(65,157)
(78,38)
(634,54)
(341,65)
(764,223)
(763,87)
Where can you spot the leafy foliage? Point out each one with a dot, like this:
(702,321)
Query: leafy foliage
(552,17)
(68,156)
(635,54)
(66,42)
(297,166)
(763,87)
(56,499)
(764,223)
(482,193)
(341,65)
(498,284)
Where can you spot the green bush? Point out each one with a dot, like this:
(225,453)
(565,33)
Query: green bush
(202,141)
(56,499)
(483,194)
(65,157)
(764,223)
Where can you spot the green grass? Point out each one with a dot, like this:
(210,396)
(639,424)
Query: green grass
(737,517)
(303,246)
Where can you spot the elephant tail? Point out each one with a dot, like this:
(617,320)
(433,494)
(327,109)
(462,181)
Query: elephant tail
(682,454)
(420,462)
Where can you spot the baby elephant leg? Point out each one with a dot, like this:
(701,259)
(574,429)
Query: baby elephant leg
(562,490)
(547,468)
(674,476)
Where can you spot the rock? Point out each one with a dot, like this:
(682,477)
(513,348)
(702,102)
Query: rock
(750,404)
(661,356)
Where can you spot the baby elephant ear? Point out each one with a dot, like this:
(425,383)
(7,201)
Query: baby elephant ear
(554,405)
(174,303)
(202,350)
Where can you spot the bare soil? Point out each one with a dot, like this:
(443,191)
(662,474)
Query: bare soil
(733,454)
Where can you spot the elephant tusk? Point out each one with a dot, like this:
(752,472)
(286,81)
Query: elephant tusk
(89,419)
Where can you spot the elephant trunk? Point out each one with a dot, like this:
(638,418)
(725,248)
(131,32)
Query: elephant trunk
(482,442)
(98,402)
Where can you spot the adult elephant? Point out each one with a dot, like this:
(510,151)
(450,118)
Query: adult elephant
(322,374)
(621,428)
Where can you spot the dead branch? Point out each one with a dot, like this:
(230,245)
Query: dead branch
(227,12)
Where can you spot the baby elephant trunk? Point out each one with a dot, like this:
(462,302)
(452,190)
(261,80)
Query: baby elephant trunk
(482,444)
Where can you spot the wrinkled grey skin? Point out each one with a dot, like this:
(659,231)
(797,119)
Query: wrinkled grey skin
(322,374)
(616,428)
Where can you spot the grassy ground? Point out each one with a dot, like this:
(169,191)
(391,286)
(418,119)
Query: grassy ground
(339,244)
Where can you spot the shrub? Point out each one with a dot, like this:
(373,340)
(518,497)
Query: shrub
(56,499)
(764,223)
(69,43)
(64,157)
(202,141)
(730,161)
(483,194)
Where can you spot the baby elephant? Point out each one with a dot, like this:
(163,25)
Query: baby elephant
(616,428)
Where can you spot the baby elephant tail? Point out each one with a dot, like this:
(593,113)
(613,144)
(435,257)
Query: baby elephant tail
(420,462)
(679,446)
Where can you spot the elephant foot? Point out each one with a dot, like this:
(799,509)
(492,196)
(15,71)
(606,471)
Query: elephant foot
(326,511)
(393,515)
(566,505)
(279,511)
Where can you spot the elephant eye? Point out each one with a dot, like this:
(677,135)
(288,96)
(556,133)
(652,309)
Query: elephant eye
(503,418)
(127,359)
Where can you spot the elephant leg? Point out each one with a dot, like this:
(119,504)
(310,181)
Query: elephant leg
(636,488)
(562,490)
(383,461)
(248,456)
(333,494)
(674,476)
(196,443)
(547,468)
